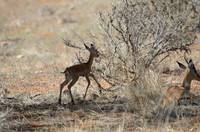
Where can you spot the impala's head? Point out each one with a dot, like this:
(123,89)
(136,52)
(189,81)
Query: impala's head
(190,70)
(92,49)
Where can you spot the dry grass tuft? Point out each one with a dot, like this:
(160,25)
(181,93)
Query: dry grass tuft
(145,93)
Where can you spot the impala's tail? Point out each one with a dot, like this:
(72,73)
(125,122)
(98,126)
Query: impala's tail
(64,71)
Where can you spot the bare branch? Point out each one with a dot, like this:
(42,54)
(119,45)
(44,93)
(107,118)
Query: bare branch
(137,32)
(69,44)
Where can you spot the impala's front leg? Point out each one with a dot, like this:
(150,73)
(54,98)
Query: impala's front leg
(99,85)
(88,80)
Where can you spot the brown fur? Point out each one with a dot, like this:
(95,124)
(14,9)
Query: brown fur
(173,94)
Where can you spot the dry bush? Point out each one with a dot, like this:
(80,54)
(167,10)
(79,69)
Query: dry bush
(137,32)
(3,119)
(3,87)
(144,94)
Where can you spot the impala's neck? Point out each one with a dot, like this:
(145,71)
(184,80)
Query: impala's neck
(186,84)
(90,61)
(187,81)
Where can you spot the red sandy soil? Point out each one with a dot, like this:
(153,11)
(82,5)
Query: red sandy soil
(43,83)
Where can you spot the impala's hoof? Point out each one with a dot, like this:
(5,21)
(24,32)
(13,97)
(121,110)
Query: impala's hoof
(73,103)
(100,91)
(65,91)
(59,101)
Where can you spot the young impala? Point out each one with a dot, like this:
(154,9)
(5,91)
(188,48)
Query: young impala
(174,93)
(74,72)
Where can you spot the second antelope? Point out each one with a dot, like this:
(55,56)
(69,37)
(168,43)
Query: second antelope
(174,93)
(74,72)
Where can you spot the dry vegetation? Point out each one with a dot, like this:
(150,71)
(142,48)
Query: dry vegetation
(140,42)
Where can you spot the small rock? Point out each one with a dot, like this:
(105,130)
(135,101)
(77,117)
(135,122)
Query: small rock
(46,11)
(61,21)
(19,56)
(65,20)
(36,72)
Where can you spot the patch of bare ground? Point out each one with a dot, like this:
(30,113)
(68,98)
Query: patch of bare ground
(85,115)
(34,107)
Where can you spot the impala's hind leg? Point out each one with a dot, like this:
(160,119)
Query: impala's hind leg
(62,85)
(70,86)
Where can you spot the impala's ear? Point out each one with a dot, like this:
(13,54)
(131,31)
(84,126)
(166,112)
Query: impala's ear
(191,64)
(181,65)
(86,47)
(190,61)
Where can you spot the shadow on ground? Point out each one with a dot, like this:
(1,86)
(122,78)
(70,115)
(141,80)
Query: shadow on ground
(42,115)
(22,117)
